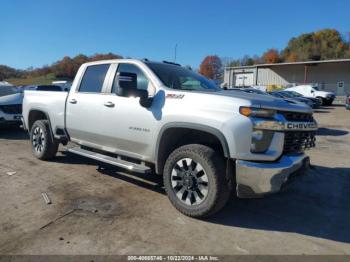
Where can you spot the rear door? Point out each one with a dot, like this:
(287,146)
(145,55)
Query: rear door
(84,113)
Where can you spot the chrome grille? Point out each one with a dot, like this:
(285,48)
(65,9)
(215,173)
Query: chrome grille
(295,116)
(298,141)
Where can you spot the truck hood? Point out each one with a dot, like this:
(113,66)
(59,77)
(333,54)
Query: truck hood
(15,99)
(267,101)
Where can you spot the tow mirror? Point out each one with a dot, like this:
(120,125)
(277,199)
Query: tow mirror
(127,80)
(127,87)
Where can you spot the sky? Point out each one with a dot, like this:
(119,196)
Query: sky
(40,32)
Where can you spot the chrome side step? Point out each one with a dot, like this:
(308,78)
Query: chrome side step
(110,160)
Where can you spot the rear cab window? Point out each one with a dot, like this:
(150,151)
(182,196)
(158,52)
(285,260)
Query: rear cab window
(93,78)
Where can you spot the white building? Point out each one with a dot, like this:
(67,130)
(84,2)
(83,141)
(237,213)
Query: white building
(329,75)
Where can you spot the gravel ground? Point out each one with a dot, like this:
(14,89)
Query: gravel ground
(107,211)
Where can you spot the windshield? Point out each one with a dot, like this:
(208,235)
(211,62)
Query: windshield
(277,94)
(287,94)
(315,88)
(177,77)
(294,94)
(254,91)
(8,90)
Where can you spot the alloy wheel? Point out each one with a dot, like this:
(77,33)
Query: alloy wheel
(38,140)
(189,182)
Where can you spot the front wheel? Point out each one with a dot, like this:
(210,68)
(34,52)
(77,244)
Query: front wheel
(195,180)
(44,146)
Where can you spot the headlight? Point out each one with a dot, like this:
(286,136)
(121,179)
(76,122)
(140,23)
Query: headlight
(261,140)
(257,112)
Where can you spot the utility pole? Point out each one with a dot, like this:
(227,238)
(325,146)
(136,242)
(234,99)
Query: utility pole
(175,53)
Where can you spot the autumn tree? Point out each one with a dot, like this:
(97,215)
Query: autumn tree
(271,56)
(292,57)
(320,45)
(68,67)
(9,72)
(247,60)
(108,56)
(211,67)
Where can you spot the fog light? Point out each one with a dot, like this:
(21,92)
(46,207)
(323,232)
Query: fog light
(261,140)
(257,135)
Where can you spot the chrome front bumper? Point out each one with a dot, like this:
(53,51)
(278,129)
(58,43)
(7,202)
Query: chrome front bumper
(255,179)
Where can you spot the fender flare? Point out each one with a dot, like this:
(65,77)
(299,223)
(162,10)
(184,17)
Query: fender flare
(208,129)
(47,118)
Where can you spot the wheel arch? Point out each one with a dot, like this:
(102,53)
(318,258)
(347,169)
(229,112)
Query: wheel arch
(38,114)
(194,132)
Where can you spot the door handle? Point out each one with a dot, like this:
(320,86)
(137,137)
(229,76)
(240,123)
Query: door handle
(73,101)
(109,104)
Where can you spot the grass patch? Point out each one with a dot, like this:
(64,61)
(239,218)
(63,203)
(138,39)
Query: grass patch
(39,80)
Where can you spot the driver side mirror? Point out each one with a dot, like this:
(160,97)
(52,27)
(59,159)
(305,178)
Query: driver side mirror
(127,81)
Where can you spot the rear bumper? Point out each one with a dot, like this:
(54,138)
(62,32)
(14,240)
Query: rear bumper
(255,179)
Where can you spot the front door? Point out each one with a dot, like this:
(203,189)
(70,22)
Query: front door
(130,127)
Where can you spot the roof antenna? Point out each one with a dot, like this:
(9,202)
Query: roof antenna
(175,53)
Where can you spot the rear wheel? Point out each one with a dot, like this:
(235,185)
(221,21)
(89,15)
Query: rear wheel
(195,180)
(43,145)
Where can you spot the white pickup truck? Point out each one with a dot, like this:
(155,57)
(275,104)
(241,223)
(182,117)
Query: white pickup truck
(312,91)
(160,117)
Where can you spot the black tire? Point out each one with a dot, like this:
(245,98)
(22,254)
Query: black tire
(328,102)
(218,187)
(324,102)
(44,147)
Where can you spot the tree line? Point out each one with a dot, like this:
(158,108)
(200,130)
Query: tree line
(321,45)
(314,46)
(66,68)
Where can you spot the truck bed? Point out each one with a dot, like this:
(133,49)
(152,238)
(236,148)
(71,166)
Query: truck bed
(53,103)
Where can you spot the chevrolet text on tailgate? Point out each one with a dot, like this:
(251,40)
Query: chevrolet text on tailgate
(160,117)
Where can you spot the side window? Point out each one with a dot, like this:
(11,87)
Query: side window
(142,81)
(93,78)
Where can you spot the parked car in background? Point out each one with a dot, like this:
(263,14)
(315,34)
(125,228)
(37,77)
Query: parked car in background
(317,101)
(347,103)
(312,91)
(248,90)
(64,84)
(253,91)
(8,90)
(10,106)
(279,94)
(43,88)
(311,102)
